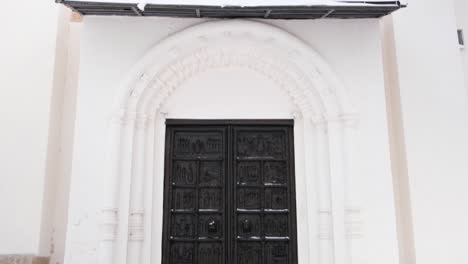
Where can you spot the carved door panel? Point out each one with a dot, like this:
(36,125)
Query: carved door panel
(229,193)
(264,209)
(195,196)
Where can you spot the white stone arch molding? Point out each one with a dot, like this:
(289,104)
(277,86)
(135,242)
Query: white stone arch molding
(324,129)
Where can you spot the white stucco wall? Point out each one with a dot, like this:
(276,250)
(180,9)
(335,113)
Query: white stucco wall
(27,59)
(111,45)
(432,70)
(434,106)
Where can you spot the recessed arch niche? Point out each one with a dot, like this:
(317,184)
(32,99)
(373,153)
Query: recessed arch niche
(325,123)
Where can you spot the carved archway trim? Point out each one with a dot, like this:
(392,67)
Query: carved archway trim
(134,196)
(257,45)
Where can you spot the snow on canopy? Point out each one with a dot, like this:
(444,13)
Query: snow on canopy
(256,2)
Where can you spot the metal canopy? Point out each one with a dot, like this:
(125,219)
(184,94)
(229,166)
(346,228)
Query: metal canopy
(297,10)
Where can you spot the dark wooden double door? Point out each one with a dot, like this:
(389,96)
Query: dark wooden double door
(229,193)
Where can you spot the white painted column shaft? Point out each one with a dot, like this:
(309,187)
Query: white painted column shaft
(125,176)
(335,140)
(136,214)
(148,190)
(323,190)
(158,190)
(303,237)
(353,222)
(311,181)
(110,209)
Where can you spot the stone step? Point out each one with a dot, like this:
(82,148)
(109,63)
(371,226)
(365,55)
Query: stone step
(23,259)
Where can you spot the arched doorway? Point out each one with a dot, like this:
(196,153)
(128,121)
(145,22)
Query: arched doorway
(305,89)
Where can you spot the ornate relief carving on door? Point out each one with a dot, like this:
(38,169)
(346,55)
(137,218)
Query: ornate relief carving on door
(229,193)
